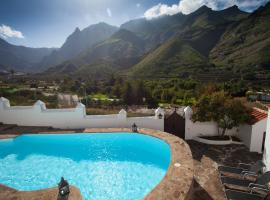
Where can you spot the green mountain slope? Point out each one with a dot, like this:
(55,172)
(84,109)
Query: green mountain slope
(170,59)
(245,46)
(123,50)
(187,52)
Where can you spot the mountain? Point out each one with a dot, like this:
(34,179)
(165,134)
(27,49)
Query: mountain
(122,50)
(157,30)
(20,58)
(170,59)
(121,47)
(187,51)
(79,41)
(206,44)
(245,46)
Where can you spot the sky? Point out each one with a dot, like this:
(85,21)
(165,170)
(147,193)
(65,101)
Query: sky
(47,23)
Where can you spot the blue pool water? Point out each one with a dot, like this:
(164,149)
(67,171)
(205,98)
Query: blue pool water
(108,166)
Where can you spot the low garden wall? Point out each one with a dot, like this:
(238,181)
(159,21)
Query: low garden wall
(73,118)
(215,142)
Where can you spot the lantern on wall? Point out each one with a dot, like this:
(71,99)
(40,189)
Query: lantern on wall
(63,188)
(134,128)
(160,116)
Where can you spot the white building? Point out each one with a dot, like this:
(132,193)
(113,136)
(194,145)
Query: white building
(266,156)
(253,134)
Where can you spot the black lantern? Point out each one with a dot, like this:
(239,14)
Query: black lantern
(134,128)
(160,116)
(63,187)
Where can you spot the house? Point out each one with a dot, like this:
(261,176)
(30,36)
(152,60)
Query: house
(253,133)
(258,96)
(266,153)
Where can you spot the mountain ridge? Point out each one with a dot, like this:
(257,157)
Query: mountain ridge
(21,58)
(202,42)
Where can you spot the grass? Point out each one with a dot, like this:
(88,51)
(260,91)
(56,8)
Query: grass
(99,96)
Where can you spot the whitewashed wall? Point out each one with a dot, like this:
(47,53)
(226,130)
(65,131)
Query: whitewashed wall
(267,144)
(74,118)
(251,135)
(258,130)
(195,129)
(245,133)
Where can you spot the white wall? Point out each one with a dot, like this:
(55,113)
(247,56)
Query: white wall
(258,130)
(74,118)
(245,133)
(267,144)
(251,135)
(195,129)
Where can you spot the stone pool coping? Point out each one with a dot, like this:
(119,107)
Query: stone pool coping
(178,181)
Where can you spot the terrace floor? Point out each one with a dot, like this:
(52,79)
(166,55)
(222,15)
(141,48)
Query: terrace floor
(206,160)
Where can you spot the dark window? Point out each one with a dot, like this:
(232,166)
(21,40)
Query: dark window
(264,135)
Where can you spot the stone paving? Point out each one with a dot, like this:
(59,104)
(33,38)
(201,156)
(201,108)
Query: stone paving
(206,160)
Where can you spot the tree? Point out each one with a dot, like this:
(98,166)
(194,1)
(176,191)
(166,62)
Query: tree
(221,108)
(127,94)
(235,114)
(139,93)
(12,71)
(117,90)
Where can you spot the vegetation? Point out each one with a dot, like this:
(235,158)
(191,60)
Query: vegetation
(245,46)
(169,60)
(23,97)
(220,107)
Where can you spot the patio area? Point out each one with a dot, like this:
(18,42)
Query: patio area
(206,160)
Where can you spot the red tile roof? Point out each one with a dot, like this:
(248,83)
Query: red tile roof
(257,115)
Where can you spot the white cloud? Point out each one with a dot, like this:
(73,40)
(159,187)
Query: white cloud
(161,9)
(8,32)
(109,12)
(138,5)
(248,5)
(189,6)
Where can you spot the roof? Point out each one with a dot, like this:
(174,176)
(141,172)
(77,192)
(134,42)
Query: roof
(257,115)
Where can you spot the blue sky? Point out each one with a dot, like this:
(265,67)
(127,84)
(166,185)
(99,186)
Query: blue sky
(47,23)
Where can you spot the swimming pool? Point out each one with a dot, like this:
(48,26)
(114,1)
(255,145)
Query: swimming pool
(104,166)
